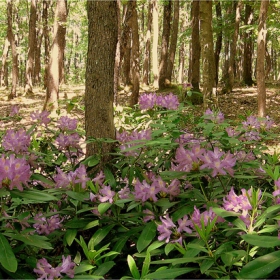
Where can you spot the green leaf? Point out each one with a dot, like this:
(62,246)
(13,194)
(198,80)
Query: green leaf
(146,265)
(132,267)
(7,256)
(103,207)
(38,196)
(78,196)
(80,223)
(146,237)
(70,236)
(169,273)
(104,268)
(83,267)
(260,267)
(261,240)
(99,235)
(32,240)
(205,265)
(110,177)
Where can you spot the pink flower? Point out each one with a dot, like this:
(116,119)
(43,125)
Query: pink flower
(16,141)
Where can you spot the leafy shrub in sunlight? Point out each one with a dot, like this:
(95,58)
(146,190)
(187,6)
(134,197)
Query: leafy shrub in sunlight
(184,196)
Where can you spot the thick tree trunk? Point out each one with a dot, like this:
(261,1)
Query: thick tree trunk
(173,41)
(99,93)
(31,48)
(165,44)
(135,69)
(55,69)
(147,58)
(12,41)
(261,58)
(207,54)
(3,73)
(195,47)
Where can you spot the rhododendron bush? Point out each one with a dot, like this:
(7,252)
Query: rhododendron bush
(184,196)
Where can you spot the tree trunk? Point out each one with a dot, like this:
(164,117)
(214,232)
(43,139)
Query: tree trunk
(247,56)
(207,54)
(11,38)
(3,73)
(133,23)
(173,42)
(261,58)
(164,44)
(118,54)
(229,78)
(55,70)
(147,58)
(155,43)
(46,39)
(99,93)
(219,40)
(31,48)
(195,47)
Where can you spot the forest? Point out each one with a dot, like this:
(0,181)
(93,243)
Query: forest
(139,139)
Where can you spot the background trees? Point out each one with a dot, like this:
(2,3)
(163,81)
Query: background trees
(157,38)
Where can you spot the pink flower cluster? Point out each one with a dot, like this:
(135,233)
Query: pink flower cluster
(132,139)
(144,191)
(14,172)
(65,180)
(16,141)
(41,117)
(65,123)
(45,225)
(150,100)
(214,117)
(197,158)
(46,271)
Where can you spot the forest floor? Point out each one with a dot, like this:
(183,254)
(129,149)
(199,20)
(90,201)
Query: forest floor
(241,102)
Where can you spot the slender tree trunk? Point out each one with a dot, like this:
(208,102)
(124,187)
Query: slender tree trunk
(219,40)
(261,58)
(133,22)
(233,46)
(125,47)
(155,43)
(195,47)
(267,62)
(207,54)
(3,73)
(31,48)
(55,69)
(247,56)
(11,38)
(164,44)
(147,59)
(99,93)
(173,41)
(118,54)
(46,39)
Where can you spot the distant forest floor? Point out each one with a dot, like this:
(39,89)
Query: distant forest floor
(241,102)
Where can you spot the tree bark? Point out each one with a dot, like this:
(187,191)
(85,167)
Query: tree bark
(248,46)
(207,54)
(194,76)
(11,37)
(55,70)
(99,93)
(261,42)
(155,43)
(165,44)
(31,48)
(147,58)
(219,40)
(173,41)
(135,69)
(118,54)
(3,73)
(46,39)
